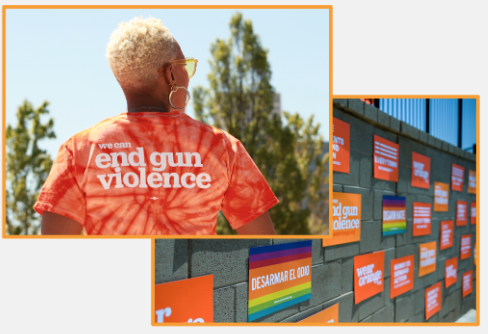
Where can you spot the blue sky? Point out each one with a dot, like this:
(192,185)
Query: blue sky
(59,56)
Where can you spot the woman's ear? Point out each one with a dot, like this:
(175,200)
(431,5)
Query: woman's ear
(168,74)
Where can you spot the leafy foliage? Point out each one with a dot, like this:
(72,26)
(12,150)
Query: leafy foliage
(27,167)
(290,154)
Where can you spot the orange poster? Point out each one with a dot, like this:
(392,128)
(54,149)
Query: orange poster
(447,234)
(420,171)
(368,275)
(422,216)
(401,275)
(461,213)
(340,147)
(472,182)
(427,258)
(451,271)
(433,300)
(457,177)
(467,283)
(441,196)
(346,218)
(473,213)
(329,315)
(385,159)
(465,246)
(188,300)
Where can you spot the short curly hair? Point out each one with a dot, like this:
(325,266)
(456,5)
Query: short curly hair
(137,49)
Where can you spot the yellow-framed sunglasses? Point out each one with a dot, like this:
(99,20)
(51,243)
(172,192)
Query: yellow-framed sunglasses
(189,63)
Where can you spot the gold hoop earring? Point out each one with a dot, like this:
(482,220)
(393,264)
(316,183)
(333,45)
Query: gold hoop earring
(174,90)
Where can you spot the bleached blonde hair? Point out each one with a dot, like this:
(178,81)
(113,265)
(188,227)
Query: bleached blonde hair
(137,49)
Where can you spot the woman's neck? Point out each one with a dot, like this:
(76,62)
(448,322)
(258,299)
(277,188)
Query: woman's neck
(138,102)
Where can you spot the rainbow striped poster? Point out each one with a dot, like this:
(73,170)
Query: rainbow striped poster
(279,276)
(394,215)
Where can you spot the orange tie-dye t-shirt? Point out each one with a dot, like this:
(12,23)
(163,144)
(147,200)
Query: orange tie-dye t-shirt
(154,173)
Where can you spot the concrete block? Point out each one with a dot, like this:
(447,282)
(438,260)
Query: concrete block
(471,156)
(401,239)
(241,301)
(366,200)
(227,260)
(341,251)
(404,308)
(409,130)
(428,280)
(356,105)
(369,306)
(340,102)
(386,314)
(326,283)
(224,300)
(405,250)
(372,238)
(438,143)
(337,188)
(383,118)
(389,255)
(459,152)
(386,291)
(417,318)
(361,135)
(423,136)
(449,317)
(434,318)
(419,301)
(448,304)
(171,260)
(452,149)
(347,274)
(445,146)
(368,319)
(395,124)
(431,140)
(371,112)
(468,304)
(386,135)
(404,178)
(353,177)
(317,251)
(440,267)
(406,147)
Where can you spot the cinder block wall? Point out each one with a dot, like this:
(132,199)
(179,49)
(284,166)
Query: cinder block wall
(228,261)
(332,267)
(366,121)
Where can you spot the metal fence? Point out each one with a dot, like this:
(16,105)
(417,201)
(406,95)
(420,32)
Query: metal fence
(451,120)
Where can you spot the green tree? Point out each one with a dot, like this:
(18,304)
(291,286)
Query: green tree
(289,154)
(27,167)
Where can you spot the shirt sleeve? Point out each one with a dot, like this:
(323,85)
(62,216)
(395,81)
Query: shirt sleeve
(61,193)
(248,194)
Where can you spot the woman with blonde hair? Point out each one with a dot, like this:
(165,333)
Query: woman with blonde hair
(153,170)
